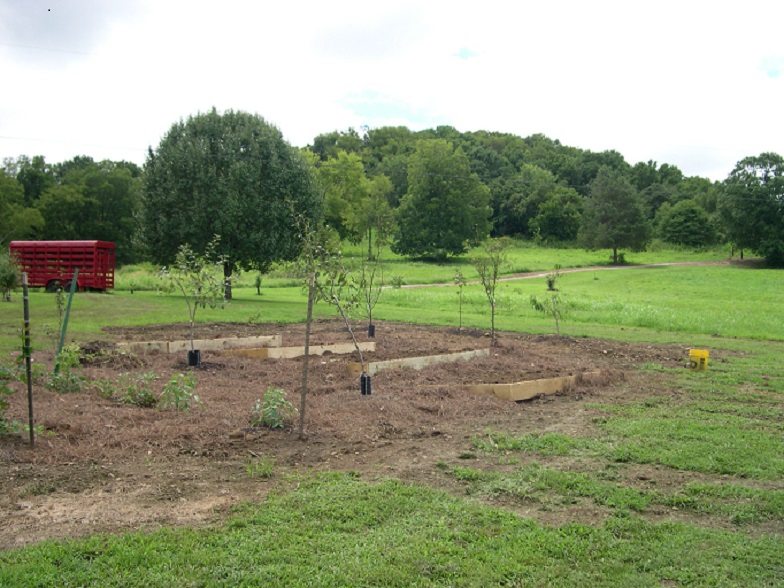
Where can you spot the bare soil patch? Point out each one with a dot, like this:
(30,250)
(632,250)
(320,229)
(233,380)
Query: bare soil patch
(104,466)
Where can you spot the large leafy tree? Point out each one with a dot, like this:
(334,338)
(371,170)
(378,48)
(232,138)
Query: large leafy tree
(614,216)
(230,174)
(535,203)
(685,223)
(446,208)
(346,188)
(752,206)
(35,175)
(16,221)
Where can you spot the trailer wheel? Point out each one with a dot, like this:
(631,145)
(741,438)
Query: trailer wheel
(68,286)
(53,286)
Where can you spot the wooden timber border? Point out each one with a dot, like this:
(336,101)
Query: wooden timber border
(529,389)
(292,352)
(204,344)
(416,363)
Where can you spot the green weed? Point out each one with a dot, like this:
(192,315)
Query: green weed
(178,393)
(259,467)
(136,388)
(273,411)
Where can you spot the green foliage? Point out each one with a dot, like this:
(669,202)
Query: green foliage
(554,303)
(446,208)
(614,216)
(274,411)
(197,277)
(9,276)
(370,286)
(136,388)
(460,282)
(488,264)
(105,388)
(230,173)
(346,190)
(685,223)
(7,374)
(752,206)
(178,393)
(533,203)
(66,377)
(260,467)
(552,279)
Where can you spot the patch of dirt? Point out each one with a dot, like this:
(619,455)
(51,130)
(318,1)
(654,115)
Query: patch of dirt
(104,466)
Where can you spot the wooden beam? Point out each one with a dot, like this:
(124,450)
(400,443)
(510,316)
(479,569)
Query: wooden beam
(231,343)
(526,390)
(414,363)
(292,352)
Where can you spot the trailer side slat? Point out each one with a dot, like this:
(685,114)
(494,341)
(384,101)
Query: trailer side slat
(48,261)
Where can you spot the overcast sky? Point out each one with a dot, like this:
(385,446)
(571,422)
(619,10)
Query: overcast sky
(696,84)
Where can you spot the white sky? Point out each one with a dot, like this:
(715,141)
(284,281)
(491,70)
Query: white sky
(696,84)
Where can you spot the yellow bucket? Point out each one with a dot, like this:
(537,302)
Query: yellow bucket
(698,360)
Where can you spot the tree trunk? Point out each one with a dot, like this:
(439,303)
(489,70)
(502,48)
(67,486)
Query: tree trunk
(228,269)
(615,255)
(370,243)
(493,342)
(308,321)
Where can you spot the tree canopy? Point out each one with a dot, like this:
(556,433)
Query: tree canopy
(446,208)
(230,174)
(614,215)
(752,206)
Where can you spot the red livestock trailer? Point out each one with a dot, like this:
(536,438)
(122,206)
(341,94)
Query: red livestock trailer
(51,264)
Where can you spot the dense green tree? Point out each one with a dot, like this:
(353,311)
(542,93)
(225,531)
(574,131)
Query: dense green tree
(558,218)
(23,224)
(376,217)
(345,188)
(35,175)
(66,213)
(11,199)
(446,208)
(113,197)
(230,174)
(591,162)
(614,216)
(93,201)
(702,191)
(656,195)
(685,223)
(519,200)
(327,145)
(752,206)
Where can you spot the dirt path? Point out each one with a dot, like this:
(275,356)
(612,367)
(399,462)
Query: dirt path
(597,268)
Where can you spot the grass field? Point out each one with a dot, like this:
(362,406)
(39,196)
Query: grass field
(725,428)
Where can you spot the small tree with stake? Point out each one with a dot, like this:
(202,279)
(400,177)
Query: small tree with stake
(553,303)
(370,286)
(329,281)
(488,265)
(200,280)
(460,282)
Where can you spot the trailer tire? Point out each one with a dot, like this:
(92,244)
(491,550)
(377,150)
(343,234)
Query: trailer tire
(53,285)
(68,286)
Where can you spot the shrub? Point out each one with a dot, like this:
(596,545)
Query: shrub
(274,411)
(178,393)
(137,389)
(65,377)
(6,374)
(9,277)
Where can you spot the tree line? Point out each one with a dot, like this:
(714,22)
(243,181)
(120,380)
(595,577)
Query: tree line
(429,194)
